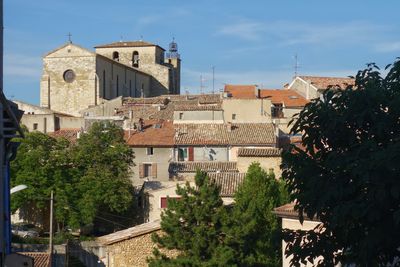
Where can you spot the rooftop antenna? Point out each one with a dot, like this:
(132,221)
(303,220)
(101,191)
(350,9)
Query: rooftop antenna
(69,38)
(201,84)
(213,79)
(296,65)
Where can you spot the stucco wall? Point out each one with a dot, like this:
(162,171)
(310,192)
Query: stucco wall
(266,163)
(304,89)
(210,154)
(161,156)
(71,122)
(215,116)
(134,252)
(247,110)
(294,224)
(45,122)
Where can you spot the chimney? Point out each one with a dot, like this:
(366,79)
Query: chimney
(257,91)
(130,114)
(229,126)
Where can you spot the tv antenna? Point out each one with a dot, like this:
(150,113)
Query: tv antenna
(296,65)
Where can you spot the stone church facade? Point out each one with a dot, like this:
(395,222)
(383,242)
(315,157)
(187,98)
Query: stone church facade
(75,78)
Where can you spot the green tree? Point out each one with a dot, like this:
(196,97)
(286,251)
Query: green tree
(192,225)
(253,230)
(89,177)
(348,173)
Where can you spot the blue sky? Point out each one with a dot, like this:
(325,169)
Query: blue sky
(248,42)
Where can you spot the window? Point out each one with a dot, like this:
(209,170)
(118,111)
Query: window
(104,84)
(69,76)
(35,126)
(115,56)
(164,201)
(148,170)
(277,111)
(182,154)
(181,115)
(149,151)
(233,116)
(135,59)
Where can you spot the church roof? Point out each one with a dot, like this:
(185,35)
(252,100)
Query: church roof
(128,44)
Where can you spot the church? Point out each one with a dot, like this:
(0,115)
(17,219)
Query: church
(75,78)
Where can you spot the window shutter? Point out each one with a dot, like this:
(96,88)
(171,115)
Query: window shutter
(141,170)
(163,202)
(191,154)
(154,170)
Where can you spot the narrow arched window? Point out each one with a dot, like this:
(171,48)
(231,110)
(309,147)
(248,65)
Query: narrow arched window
(135,59)
(104,84)
(115,56)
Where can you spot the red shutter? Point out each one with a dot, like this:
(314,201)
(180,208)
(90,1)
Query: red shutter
(163,202)
(154,170)
(191,154)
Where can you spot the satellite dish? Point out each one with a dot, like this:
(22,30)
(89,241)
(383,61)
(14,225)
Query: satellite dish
(18,188)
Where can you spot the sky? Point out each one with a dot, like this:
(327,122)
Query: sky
(247,42)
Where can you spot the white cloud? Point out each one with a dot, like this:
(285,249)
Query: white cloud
(22,66)
(388,47)
(293,33)
(245,30)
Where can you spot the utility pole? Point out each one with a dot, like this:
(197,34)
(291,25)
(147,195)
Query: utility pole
(51,229)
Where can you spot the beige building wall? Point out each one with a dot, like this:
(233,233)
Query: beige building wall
(199,116)
(133,252)
(161,156)
(44,123)
(71,122)
(304,88)
(68,97)
(267,163)
(246,110)
(116,79)
(151,61)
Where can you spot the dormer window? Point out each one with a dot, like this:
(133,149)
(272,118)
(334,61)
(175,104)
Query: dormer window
(135,59)
(115,56)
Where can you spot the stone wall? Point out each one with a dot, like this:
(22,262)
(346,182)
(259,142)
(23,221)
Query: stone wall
(68,97)
(133,252)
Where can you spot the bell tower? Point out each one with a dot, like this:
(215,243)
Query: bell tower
(173,59)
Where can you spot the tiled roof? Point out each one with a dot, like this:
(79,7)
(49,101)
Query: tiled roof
(286,210)
(241,91)
(323,83)
(287,97)
(71,134)
(155,133)
(180,107)
(129,233)
(147,112)
(207,166)
(209,99)
(40,259)
(159,100)
(127,44)
(259,152)
(219,134)
(228,181)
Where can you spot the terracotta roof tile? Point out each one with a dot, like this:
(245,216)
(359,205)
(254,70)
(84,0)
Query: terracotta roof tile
(207,166)
(241,91)
(259,152)
(219,134)
(286,210)
(323,83)
(71,134)
(40,259)
(128,44)
(155,133)
(287,97)
(228,181)
(160,100)
(129,233)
